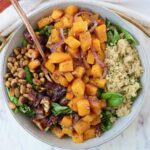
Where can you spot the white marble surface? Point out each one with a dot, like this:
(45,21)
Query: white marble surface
(136,137)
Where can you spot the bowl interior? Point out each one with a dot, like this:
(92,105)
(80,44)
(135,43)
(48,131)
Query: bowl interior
(122,123)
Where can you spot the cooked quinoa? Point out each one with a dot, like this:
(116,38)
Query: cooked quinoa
(125,70)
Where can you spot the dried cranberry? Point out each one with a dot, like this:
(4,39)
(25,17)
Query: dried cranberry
(53,120)
(55,91)
(28,37)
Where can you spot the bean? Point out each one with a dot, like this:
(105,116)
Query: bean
(11,105)
(16,51)
(17,92)
(19,56)
(42,80)
(12,91)
(14,83)
(22,81)
(22,89)
(21,74)
(25,62)
(9,65)
(7,75)
(7,84)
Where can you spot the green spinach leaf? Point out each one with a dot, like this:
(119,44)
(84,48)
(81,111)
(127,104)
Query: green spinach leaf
(24,42)
(99,93)
(113,99)
(20,108)
(26,110)
(28,75)
(115,32)
(12,98)
(58,109)
(106,123)
(46,30)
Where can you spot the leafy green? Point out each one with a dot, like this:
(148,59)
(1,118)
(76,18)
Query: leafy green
(115,32)
(128,36)
(58,109)
(106,123)
(13,99)
(26,110)
(46,30)
(28,75)
(20,108)
(99,93)
(113,99)
(24,42)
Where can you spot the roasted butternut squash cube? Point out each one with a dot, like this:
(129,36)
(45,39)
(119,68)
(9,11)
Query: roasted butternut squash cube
(69,76)
(54,37)
(77,138)
(86,79)
(103,103)
(59,25)
(103,46)
(71,10)
(101,83)
(78,87)
(58,132)
(96,121)
(60,49)
(81,126)
(56,14)
(67,131)
(90,90)
(71,33)
(44,21)
(79,71)
(83,107)
(73,51)
(89,118)
(96,71)
(90,58)
(86,40)
(63,81)
(49,66)
(80,26)
(90,133)
(67,21)
(77,19)
(58,57)
(34,64)
(95,106)
(73,103)
(69,95)
(66,66)
(72,42)
(101,55)
(66,121)
(96,44)
(101,33)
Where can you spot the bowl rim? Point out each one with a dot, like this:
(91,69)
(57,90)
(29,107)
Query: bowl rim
(3,86)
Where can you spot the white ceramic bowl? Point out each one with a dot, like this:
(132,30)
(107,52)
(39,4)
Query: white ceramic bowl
(122,123)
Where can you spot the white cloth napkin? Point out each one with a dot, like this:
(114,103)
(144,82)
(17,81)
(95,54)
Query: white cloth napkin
(10,19)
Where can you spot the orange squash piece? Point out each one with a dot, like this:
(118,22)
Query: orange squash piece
(86,40)
(81,126)
(58,57)
(83,107)
(78,87)
(66,66)
(101,33)
(72,42)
